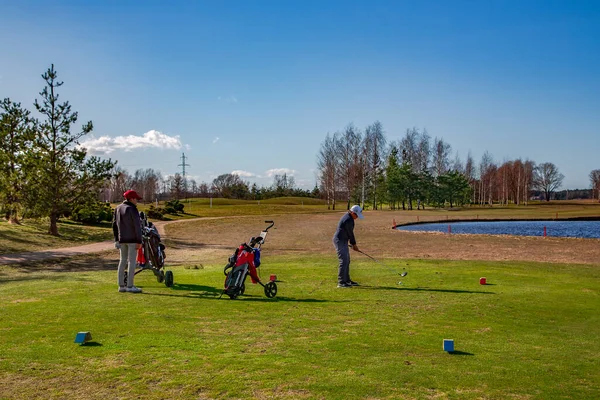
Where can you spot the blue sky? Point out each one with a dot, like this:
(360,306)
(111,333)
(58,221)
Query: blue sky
(255,86)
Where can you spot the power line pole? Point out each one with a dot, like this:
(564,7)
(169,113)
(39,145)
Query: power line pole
(183,165)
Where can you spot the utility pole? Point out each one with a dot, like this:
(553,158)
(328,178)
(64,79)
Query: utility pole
(183,165)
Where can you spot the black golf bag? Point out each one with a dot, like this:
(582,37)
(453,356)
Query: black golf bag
(152,253)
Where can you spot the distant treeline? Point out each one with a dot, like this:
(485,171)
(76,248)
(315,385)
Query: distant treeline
(414,170)
(573,194)
(151,185)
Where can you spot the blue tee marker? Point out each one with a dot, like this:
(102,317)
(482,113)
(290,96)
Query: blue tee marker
(83,337)
(449,345)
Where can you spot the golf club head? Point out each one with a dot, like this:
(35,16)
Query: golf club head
(404,274)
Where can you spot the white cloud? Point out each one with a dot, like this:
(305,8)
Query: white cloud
(228,99)
(280,171)
(216,139)
(245,174)
(150,139)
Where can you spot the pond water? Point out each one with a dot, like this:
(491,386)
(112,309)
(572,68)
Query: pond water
(576,229)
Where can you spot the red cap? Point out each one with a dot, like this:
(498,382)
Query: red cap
(131,194)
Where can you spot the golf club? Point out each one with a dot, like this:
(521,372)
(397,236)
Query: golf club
(388,267)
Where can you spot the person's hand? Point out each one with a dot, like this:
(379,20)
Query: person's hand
(138,246)
(117,245)
(355,247)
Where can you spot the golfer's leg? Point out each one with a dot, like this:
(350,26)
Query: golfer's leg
(348,267)
(340,260)
(122,265)
(132,256)
(344,258)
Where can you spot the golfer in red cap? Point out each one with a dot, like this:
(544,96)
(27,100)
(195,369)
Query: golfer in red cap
(127,228)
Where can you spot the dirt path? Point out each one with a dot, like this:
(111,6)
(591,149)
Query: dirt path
(65,252)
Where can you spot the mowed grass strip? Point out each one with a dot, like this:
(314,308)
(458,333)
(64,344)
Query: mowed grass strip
(531,333)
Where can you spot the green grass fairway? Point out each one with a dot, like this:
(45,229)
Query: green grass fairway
(201,207)
(531,334)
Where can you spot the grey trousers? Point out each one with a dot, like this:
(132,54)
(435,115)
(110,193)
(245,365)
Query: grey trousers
(128,254)
(343,253)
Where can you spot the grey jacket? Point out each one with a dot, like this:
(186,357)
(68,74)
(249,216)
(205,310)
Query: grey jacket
(127,225)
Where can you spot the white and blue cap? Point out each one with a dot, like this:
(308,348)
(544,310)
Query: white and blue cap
(357,210)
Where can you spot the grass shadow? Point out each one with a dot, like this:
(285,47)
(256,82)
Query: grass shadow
(276,299)
(421,289)
(209,292)
(460,353)
(196,288)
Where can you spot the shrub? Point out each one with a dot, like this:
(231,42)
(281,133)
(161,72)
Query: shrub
(93,213)
(173,207)
(155,212)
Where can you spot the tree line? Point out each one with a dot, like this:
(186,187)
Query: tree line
(415,170)
(151,185)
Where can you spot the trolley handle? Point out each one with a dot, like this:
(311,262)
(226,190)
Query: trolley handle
(270,226)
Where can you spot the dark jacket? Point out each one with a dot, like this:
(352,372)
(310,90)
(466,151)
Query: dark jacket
(345,230)
(127,225)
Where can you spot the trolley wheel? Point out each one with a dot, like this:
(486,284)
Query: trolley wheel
(125,280)
(160,276)
(242,289)
(233,296)
(271,290)
(169,278)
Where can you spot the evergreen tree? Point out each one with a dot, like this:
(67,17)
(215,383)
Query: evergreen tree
(64,176)
(16,135)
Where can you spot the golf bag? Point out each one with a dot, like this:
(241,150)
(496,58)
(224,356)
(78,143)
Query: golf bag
(152,253)
(243,262)
(152,249)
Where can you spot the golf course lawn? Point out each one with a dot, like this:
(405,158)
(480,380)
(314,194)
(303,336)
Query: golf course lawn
(32,235)
(531,333)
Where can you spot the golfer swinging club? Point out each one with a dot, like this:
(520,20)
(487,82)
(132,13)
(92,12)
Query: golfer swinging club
(343,235)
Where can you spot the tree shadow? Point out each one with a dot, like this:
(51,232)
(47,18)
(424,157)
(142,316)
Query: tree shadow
(425,289)
(66,263)
(25,278)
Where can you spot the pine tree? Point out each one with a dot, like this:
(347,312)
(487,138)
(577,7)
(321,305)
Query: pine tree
(16,135)
(64,177)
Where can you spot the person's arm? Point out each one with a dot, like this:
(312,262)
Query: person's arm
(138,226)
(349,226)
(115,227)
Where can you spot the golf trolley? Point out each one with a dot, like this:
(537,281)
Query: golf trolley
(244,262)
(152,253)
